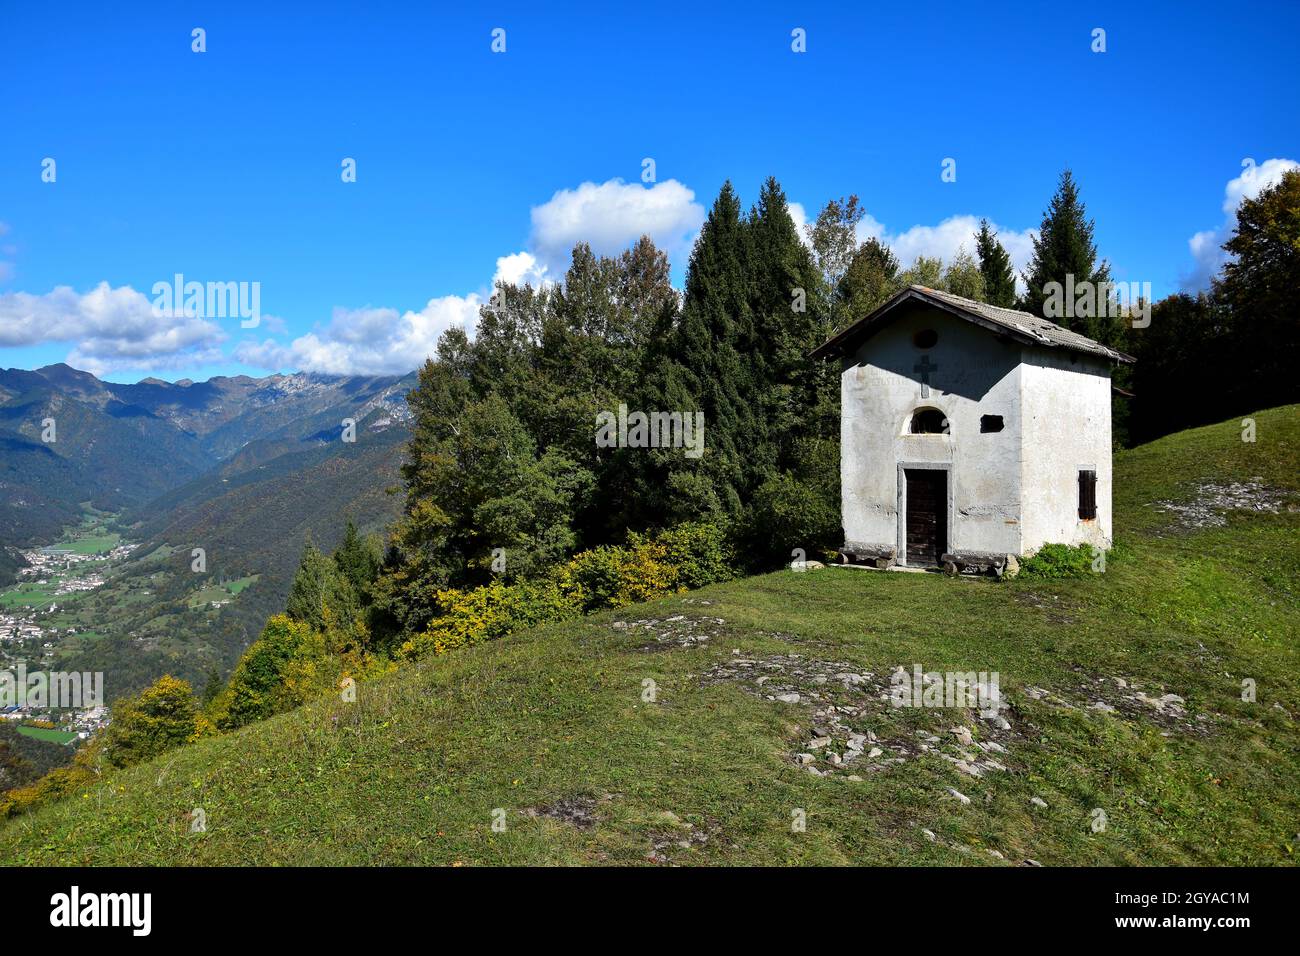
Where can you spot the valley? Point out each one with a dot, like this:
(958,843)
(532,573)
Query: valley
(98,527)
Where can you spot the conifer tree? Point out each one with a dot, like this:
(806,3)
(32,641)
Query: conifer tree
(1064,249)
(357,562)
(315,587)
(995,267)
(716,323)
(787,301)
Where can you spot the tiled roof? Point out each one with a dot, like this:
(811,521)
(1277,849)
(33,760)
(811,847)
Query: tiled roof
(1022,325)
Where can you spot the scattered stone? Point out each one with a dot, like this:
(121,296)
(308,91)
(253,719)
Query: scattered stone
(676,631)
(576,811)
(1213,501)
(854,707)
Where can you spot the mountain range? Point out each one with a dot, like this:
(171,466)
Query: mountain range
(246,468)
(70,439)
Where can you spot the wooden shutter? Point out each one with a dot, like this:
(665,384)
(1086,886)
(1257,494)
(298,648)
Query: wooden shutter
(1087,494)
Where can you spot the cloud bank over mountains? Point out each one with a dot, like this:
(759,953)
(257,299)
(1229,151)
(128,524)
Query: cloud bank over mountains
(119,329)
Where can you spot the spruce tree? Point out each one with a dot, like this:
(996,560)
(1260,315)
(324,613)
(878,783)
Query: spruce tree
(995,267)
(787,302)
(357,562)
(315,586)
(1064,248)
(715,324)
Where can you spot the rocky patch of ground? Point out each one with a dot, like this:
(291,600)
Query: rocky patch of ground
(1212,501)
(577,811)
(1120,695)
(680,836)
(673,632)
(855,727)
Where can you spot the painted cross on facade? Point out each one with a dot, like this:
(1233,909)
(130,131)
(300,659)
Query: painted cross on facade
(925,368)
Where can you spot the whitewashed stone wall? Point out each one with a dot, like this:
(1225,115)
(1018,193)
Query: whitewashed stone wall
(1009,491)
(1065,409)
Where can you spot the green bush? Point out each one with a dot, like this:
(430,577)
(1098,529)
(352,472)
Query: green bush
(699,553)
(1059,561)
(161,717)
(488,612)
(788,513)
(689,555)
(616,577)
(257,688)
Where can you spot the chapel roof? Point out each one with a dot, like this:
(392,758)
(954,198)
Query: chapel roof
(1021,326)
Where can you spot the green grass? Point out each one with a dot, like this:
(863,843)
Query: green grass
(412,772)
(91,537)
(30,595)
(221,592)
(45,733)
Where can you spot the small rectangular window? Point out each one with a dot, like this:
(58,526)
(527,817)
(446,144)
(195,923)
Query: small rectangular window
(990,423)
(1087,495)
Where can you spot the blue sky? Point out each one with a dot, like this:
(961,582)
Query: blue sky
(225,165)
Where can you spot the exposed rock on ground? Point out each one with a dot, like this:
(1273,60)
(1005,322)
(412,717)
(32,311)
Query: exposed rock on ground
(1213,501)
(578,811)
(856,728)
(676,631)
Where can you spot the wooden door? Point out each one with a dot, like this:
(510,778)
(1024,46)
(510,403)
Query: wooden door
(927,516)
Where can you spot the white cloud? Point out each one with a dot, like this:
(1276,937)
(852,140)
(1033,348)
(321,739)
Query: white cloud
(367,341)
(520,268)
(800,216)
(1206,245)
(611,216)
(115,329)
(111,329)
(944,240)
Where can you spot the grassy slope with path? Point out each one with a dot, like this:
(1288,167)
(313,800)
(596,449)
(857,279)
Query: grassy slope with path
(552,721)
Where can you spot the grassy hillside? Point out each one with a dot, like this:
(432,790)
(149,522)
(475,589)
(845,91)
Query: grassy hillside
(549,729)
